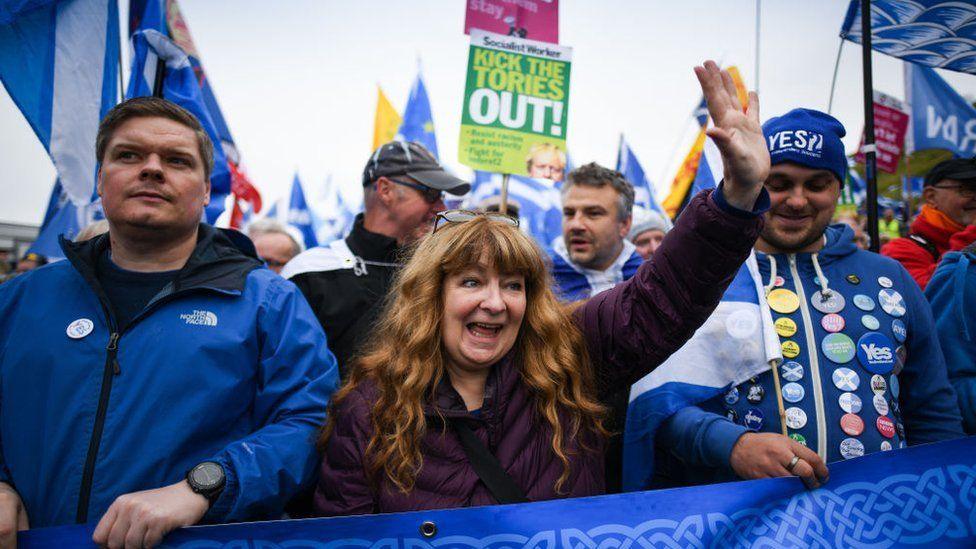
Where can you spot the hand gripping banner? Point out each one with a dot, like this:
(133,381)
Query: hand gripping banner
(919,496)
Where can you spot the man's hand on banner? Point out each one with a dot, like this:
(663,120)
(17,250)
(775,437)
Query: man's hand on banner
(767,455)
(141,519)
(13,516)
(737,134)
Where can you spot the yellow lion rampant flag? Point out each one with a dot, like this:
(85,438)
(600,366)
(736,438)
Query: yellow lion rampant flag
(387,120)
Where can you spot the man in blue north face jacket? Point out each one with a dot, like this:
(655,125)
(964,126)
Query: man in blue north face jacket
(160,376)
(862,369)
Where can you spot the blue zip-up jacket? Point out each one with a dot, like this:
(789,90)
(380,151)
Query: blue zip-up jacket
(227,363)
(952,293)
(695,444)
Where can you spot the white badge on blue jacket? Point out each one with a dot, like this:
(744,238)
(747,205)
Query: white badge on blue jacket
(80,328)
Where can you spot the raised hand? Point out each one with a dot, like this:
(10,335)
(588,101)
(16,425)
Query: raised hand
(737,134)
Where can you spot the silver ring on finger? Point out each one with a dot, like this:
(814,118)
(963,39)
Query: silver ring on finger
(793,462)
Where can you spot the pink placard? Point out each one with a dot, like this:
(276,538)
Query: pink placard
(532,19)
(890,125)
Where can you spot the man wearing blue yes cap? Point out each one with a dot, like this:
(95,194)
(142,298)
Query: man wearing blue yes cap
(862,370)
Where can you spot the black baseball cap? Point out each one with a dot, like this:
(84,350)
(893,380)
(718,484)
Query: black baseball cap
(960,169)
(414,160)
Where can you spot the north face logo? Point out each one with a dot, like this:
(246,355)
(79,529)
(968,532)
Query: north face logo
(200,318)
(876,354)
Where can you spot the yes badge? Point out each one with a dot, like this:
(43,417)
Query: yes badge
(876,353)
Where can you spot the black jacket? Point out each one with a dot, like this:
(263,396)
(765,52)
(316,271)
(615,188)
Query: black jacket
(347,297)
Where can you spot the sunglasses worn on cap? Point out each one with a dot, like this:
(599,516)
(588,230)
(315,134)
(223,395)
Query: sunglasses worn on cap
(963,190)
(430,195)
(461,216)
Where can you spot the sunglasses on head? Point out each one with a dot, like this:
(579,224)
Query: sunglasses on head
(460,216)
(430,195)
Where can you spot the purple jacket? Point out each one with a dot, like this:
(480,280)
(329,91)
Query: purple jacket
(629,330)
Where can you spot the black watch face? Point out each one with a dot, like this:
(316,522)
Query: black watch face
(207,475)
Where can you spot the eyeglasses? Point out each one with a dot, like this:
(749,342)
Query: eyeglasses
(964,191)
(431,196)
(460,216)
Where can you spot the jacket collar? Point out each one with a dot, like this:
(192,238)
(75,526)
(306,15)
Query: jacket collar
(502,381)
(221,261)
(372,246)
(933,232)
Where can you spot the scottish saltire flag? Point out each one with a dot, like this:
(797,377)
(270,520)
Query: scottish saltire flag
(628,165)
(576,283)
(737,342)
(539,202)
(179,86)
(418,120)
(299,215)
(941,118)
(936,33)
(710,168)
(59,63)
(63,217)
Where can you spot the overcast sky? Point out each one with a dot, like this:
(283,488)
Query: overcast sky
(297,80)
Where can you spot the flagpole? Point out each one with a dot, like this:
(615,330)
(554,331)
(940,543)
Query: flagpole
(758,21)
(869,147)
(833,82)
(503,206)
(160,77)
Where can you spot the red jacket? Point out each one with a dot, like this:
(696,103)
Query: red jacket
(629,330)
(916,257)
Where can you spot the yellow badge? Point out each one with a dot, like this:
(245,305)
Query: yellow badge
(785,327)
(783,301)
(791,349)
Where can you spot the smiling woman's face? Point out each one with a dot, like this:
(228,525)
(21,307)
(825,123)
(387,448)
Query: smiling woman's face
(483,311)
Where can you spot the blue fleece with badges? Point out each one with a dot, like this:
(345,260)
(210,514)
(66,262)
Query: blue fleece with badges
(862,371)
(952,293)
(230,365)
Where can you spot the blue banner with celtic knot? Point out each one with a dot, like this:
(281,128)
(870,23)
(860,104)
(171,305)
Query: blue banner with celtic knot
(923,495)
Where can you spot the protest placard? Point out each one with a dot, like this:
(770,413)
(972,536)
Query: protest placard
(890,125)
(515,102)
(532,19)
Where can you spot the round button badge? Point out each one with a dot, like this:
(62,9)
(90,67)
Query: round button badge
(732,396)
(849,402)
(846,379)
(790,348)
(885,446)
(876,353)
(895,387)
(870,322)
(853,279)
(793,392)
(852,424)
(785,327)
(779,281)
(832,322)
(880,404)
(899,331)
(901,355)
(863,302)
(891,302)
(791,371)
(885,282)
(783,301)
(838,348)
(80,328)
(851,448)
(830,302)
(886,427)
(756,394)
(796,418)
(732,415)
(753,419)
(878,384)
(799,438)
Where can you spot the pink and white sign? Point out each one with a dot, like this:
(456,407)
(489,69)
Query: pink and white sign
(532,19)
(890,125)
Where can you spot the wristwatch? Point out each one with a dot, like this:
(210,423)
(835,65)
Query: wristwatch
(207,479)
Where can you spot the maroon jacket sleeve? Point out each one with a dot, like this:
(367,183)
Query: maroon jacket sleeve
(635,326)
(343,488)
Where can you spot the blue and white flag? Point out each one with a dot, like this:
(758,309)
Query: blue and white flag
(628,165)
(299,215)
(941,118)
(539,202)
(179,86)
(936,33)
(418,120)
(63,217)
(59,63)
(737,342)
(710,169)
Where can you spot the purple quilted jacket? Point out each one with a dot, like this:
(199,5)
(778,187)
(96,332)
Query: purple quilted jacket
(629,330)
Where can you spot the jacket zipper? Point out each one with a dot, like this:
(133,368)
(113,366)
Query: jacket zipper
(812,352)
(110,370)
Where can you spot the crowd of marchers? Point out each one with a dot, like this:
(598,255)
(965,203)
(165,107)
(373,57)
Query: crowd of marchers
(169,373)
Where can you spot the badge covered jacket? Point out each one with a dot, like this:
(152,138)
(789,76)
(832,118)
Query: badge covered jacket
(862,368)
(227,363)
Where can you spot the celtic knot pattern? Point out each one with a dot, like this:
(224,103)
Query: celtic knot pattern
(937,505)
